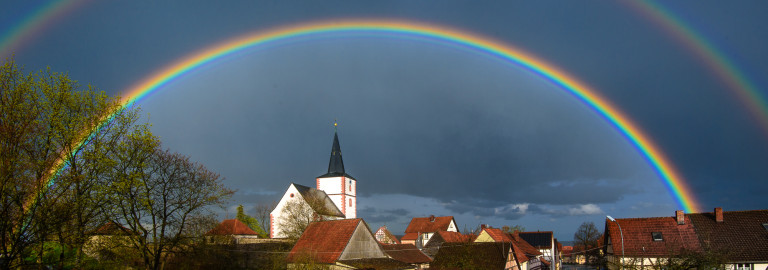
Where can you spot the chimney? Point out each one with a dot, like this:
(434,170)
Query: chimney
(432,218)
(483,226)
(680,217)
(719,214)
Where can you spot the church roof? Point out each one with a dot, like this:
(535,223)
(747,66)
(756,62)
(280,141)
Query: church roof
(321,203)
(336,164)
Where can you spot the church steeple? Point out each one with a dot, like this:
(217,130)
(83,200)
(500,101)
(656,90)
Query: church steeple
(336,164)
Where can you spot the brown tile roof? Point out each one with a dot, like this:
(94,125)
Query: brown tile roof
(471,256)
(455,237)
(407,253)
(324,241)
(638,239)
(741,234)
(429,224)
(231,227)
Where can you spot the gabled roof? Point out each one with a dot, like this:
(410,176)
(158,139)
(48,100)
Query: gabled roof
(638,238)
(336,164)
(498,235)
(324,241)
(324,205)
(741,234)
(407,253)
(231,227)
(540,240)
(387,233)
(489,255)
(429,224)
(529,250)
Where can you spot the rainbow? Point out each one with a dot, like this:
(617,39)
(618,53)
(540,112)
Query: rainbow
(443,35)
(33,24)
(715,61)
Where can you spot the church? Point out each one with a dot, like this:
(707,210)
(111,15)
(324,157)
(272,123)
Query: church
(335,196)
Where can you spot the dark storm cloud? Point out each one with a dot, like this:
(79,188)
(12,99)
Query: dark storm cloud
(457,129)
(375,215)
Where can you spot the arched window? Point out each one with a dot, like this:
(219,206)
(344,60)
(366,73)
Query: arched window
(350,202)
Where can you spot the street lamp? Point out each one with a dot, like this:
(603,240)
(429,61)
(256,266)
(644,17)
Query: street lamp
(622,240)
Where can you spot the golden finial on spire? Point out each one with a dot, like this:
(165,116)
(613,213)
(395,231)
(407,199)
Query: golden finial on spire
(335,124)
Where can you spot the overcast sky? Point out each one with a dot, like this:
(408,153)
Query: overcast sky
(433,129)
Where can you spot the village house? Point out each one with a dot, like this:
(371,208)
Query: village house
(546,243)
(337,244)
(523,256)
(737,238)
(384,236)
(421,229)
(231,231)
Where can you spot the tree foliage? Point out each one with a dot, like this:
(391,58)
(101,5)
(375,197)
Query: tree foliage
(252,222)
(72,159)
(297,214)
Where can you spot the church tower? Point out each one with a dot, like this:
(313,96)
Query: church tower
(340,186)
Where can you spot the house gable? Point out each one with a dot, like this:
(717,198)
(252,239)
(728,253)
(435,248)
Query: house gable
(362,245)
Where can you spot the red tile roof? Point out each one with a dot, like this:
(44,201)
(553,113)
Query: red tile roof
(523,249)
(741,235)
(409,236)
(324,241)
(407,253)
(231,227)
(428,224)
(638,241)
(497,235)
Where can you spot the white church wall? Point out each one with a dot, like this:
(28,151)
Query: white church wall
(331,185)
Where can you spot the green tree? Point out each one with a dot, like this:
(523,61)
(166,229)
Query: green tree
(252,222)
(45,117)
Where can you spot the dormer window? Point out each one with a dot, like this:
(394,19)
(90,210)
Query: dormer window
(657,236)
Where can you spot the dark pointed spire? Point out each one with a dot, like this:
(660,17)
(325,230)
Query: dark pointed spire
(336,164)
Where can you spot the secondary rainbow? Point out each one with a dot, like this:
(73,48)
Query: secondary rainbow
(35,23)
(447,36)
(744,89)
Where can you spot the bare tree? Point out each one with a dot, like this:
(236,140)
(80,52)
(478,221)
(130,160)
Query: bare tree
(297,214)
(158,194)
(586,236)
(262,214)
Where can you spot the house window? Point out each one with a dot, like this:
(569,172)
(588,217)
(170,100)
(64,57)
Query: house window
(350,202)
(657,236)
(743,266)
